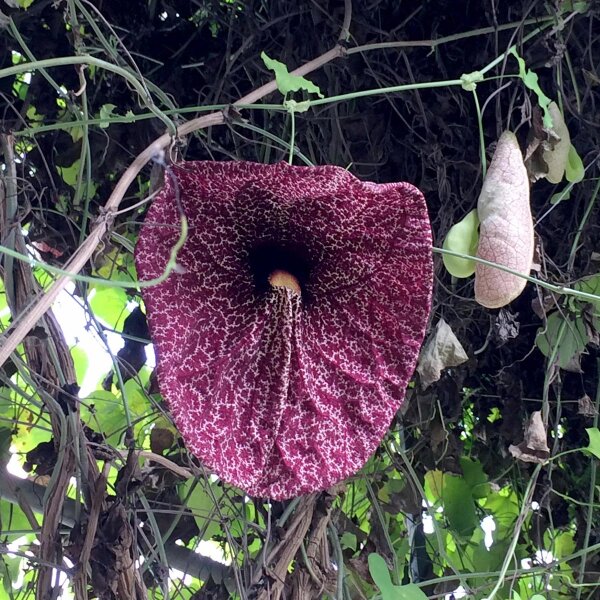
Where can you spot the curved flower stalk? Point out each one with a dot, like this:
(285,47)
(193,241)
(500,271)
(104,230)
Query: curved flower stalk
(287,336)
(506,229)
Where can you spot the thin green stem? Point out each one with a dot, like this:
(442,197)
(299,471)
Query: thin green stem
(584,219)
(15,33)
(481,139)
(384,528)
(515,537)
(449,38)
(272,137)
(591,492)
(574,84)
(394,89)
(115,119)
(559,289)
(292,136)
(339,558)
(526,38)
(109,283)
(438,534)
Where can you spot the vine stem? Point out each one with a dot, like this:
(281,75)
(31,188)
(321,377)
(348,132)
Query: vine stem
(515,538)
(559,289)
(591,493)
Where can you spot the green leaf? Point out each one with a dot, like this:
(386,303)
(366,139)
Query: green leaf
(34,118)
(29,437)
(560,196)
(574,170)
(481,558)
(434,485)
(110,305)
(9,573)
(70,175)
(25,3)
(81,362)
(495,414)
(104,412)
(531,81)
(463,237)
(137,399)
(349,540)
(118,266)
(286,82)
(456,496)
(459,508)
(106,112)
(12,518)
(561,544)
(594,446)
(590,285)
(76,133)
(381,576)
(408,592)
(202,503)
(566,332)
(475,477)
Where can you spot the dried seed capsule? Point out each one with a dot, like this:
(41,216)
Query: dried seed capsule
(506,230)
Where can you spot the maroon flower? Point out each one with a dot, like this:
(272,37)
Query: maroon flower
(286,339)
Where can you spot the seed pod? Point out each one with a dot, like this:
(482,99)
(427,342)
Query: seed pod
(506,230)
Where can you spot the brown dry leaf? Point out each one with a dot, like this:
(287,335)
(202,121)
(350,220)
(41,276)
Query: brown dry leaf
(538,138)
(548,149)
(442,350)
(534,447)
(506,230)
(585,406)
(505,327)
(161,439)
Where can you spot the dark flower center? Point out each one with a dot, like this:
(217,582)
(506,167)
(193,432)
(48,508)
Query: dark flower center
(280,265)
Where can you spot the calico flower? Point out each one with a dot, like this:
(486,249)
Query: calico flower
(287,336)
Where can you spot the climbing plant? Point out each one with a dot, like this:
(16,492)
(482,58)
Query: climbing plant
(485,484)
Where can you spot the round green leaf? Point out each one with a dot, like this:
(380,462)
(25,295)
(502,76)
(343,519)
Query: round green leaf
(110,305)
(574,170)
(463,237)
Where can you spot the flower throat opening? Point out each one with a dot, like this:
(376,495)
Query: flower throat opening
(277,265)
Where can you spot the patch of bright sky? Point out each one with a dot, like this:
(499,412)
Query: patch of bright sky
(80,332)
(17,58)
(487,524)
(15,546)
(208,548)
(14,466)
